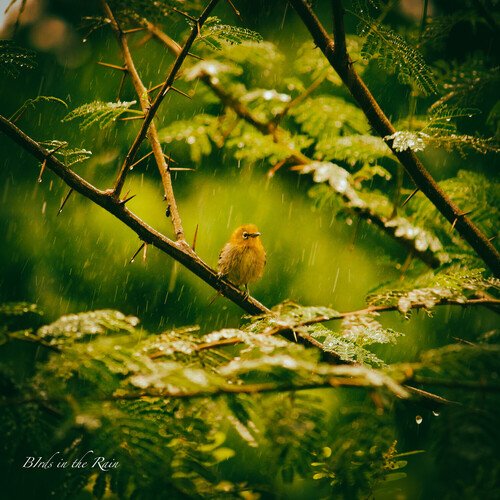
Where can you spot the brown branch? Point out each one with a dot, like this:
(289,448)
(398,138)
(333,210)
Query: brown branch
(342,64)
(341,376)
(347,381)
(181,253)
(217,392)
(270,128)
(178,250)
(152,132)
(488,301)
(387,308)
(153,107)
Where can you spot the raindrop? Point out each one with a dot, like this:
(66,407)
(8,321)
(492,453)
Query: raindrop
(84,40)
(435,413)
(418,419)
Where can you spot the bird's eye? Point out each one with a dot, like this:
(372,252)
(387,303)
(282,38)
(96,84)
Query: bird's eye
(245,236)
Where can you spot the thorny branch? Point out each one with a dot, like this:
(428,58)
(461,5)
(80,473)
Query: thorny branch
(152,132)
(342,64)
(181,253)
(280,329)
(150,110)
(274,130)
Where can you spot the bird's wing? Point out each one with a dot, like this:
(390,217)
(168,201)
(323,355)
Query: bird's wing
(222,262)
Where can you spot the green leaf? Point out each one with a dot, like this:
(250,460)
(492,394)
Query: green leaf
(214,34)
(392,52)
(14,59)
(102,113)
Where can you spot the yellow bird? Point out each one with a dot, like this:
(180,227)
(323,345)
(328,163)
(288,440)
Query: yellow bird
(243,257)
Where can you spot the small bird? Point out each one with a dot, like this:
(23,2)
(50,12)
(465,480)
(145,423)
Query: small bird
(243,257)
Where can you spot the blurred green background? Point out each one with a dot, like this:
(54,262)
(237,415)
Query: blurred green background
(79,260)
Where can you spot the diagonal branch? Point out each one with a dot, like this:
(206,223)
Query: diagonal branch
(153,107)
(286,330)
(181,253)
(178,250)
(152,132)
(340,61)
(272,129)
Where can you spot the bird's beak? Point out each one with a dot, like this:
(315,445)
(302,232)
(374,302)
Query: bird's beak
(254,235)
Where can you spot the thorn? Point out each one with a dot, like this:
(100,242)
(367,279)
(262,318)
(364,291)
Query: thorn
(297,167)
(169,158)
(137,253)
(133,30)
(193,246)
(152,89)
(462,214)
(295,336)
(492,238)
(165,91)
(112,66)
(167,166)
(236,11)
(195,56)
(128,118)
(64,201)
(42,170)
(412,194)
(275,168)
(63,145)
(181,92)
(139,161)
(406,265)
(120,87)
(145,39)
(125,200)
(191,18)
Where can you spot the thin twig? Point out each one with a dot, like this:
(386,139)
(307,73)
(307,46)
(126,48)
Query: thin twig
(112,66)
(153,108)
(66,198)
(195,237)
(412,194)
(132,260)
(150,129)
(338,316)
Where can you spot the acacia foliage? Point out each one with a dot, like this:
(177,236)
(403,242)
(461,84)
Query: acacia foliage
(182,403)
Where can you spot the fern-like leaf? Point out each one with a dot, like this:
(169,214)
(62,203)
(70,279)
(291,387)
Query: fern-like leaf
(392,52)
(14,59)
(215,34)
(198,133)
(325,117)
(101,113)
(70,156)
